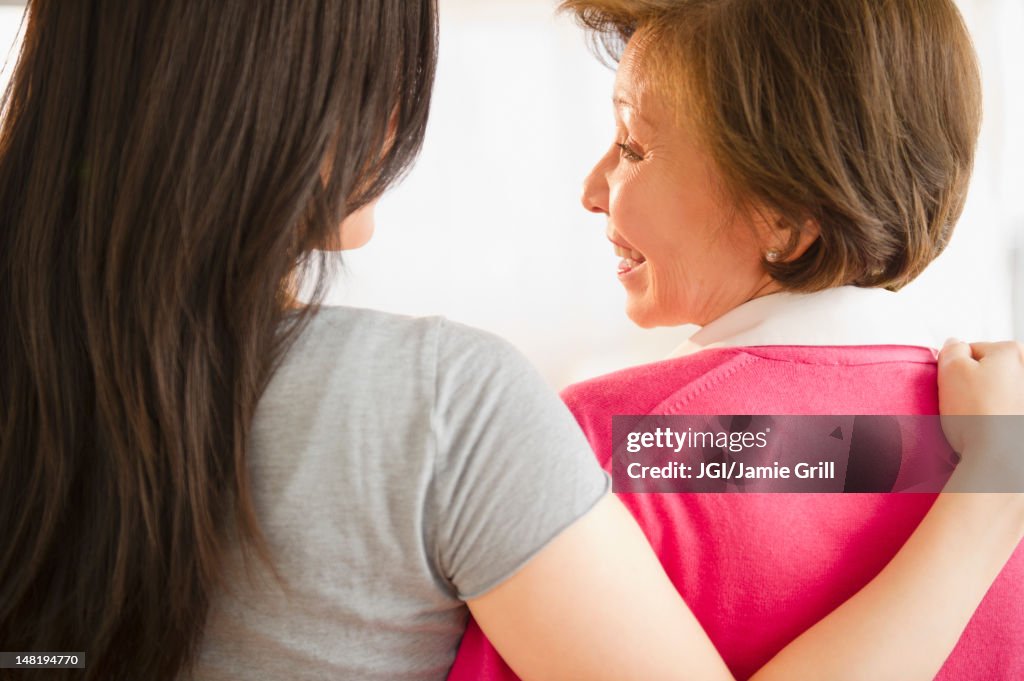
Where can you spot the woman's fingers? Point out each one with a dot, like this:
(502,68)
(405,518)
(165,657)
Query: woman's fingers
(1006,351)
(981,378)
(980,386)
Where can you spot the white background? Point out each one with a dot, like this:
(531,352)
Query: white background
(488,229)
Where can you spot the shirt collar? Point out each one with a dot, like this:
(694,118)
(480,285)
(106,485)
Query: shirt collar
(846,315)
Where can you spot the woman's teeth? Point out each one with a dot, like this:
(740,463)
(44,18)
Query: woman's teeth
(630,259)
(627,265)
(633,257)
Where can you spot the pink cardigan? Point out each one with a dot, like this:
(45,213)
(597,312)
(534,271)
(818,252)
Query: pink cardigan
(759,569)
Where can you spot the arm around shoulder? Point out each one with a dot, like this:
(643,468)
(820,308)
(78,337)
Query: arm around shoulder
(595,603)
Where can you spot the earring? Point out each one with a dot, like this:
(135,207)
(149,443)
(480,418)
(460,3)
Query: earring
(772,255)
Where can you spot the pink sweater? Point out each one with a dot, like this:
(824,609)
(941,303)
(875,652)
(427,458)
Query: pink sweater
(759,569)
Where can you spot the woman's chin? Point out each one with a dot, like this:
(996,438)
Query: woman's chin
(648,316)
(642,315)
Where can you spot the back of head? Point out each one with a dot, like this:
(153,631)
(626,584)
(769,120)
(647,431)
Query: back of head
(162,187)
(858,115)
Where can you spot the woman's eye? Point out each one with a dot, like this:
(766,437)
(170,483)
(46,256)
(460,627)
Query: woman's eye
(628,153)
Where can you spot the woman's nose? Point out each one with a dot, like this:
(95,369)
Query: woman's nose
(595,189)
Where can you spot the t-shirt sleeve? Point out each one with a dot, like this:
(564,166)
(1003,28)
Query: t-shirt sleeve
(512,468)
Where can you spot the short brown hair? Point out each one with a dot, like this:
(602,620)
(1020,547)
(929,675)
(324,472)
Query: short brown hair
(859,115)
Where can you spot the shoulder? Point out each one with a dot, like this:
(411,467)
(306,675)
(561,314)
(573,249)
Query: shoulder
(642,389)
(762,379)
(377,347)
(638,389)
(334,325)
(345,354)
(646,386)
(463,348)
(337,325)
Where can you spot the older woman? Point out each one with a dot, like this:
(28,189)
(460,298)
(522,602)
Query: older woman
(779,169)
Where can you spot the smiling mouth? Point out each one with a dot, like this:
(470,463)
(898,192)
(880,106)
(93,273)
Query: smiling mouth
(630,259)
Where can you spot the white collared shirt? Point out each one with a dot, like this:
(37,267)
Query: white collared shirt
(846,315)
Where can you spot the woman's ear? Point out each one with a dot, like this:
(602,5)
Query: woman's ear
(776,235)
(809,233)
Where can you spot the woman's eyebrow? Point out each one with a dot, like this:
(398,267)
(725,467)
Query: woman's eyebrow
(623,103)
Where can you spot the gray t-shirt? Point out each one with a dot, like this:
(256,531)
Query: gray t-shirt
(399,466)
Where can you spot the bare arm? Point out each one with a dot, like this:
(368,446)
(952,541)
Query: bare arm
(596,604)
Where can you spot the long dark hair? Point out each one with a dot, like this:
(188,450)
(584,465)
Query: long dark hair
(166,168)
